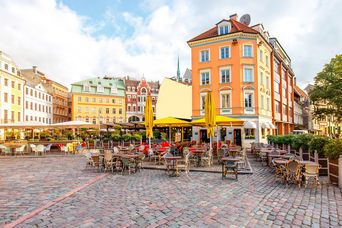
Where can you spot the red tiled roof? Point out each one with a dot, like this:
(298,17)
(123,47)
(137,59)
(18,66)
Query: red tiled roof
(300,91)
(236,27)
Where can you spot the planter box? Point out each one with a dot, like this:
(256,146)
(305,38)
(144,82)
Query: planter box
(323,161)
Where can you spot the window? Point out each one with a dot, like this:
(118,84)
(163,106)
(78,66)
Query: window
(6,116)
(249,133)
(13,70)
(100,110)
(100,100)
(268,104)
(26,91)
(113,111)
(6,66)
(107,100)
(276,87)
(267,82)
(113,101)
(261,78)
(94,120)
(31,105)
(31,92)
(93,99)
(277,106)
(19,116)
(13,99)
(248,74)
(19,86)
(225,100)
(261,55)
(225,75)
(19,101)
(128,108)
(86,88)
(114,90)
(247,50)
(6,82)
(107,110)
(224,52)
(100,89)
(262,101)
(12,115)
(248,100)
(6,97)
(13,84)
(86,99)
(86,109)
(79,99)
(224,29)
(205,78)
(202,101)
(35,93)
(267,61)
(93,110)
(120,101)
(120,110)
(205,56)
(26,105)
(79,109)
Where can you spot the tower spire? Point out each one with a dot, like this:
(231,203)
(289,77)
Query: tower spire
(178,71)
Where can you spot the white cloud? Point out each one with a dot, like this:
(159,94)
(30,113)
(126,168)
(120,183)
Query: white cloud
(60,42)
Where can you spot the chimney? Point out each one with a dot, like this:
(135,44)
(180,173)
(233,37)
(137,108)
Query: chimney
(234,16)
(34,69)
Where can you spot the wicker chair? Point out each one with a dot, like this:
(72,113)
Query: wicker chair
(293,172)
(5,150)
(208,158)
(311,173)
(128,165)
(108,160)
(184,164)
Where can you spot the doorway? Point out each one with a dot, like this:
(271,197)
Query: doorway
(203,136)
(237,137)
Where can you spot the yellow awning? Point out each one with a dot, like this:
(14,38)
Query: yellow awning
(220,121)
(171,122)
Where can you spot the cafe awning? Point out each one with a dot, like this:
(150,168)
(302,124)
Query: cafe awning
(249,124)
(24,125)
(74,124)
(171,122)
(220,121)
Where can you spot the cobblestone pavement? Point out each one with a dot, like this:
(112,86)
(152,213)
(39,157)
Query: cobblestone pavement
(29,183)
(151,198)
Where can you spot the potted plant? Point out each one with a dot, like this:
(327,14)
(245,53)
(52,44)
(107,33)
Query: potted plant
(317,143)
(333,148)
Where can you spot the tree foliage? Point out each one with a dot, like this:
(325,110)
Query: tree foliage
(326,94)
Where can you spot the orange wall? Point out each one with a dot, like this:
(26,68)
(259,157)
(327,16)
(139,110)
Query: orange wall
(236,61)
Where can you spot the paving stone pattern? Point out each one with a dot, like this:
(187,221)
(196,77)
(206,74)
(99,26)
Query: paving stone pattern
(29,183)
(151,198)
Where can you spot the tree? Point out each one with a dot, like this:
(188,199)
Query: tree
(326,94)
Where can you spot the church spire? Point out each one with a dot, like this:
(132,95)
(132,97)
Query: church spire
(178,71)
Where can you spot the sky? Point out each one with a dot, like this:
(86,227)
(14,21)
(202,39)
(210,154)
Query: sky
(71,40)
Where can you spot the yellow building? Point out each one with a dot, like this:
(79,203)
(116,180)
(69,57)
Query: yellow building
(11,90)
(98,100)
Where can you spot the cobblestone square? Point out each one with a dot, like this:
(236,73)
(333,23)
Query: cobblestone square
(151,198)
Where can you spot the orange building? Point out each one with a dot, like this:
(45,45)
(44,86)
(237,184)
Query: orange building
(235,62)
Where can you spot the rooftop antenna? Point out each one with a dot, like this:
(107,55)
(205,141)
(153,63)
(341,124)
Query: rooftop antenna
(245,19)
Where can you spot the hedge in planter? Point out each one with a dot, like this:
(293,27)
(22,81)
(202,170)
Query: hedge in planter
(317,143)
(301,141)
(333,149)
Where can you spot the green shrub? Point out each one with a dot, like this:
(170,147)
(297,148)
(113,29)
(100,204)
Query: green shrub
(138,137)
(163,135)
(333,149)
(301,141)
(116,137)
(317,143)
(126,137)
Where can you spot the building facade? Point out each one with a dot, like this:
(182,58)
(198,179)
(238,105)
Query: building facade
(11,90)
(98,100)
(299,108)
(37,103)
(136,92)
(235,62)
(58,92)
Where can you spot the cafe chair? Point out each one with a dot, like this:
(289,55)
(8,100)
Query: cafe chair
(20,150)
(293,172)
(64,149)
(128,165)
(95,162)
(5,150)
(40,149)
(48,148)
(311,173)
(184,164)
(108,160)
(33,148)
(207,160)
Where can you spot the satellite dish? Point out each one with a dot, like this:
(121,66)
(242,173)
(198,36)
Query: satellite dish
(245,19)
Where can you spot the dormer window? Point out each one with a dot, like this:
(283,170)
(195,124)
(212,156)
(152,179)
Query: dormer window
(86,88)
(100,89)
(224,28)
(114,90)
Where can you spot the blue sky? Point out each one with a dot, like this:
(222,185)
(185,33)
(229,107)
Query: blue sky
(71,40)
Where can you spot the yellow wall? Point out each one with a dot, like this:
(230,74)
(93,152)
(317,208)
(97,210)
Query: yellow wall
(97,105)
(174,100)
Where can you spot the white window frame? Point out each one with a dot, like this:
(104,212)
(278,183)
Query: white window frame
(252,74)
(223,24)
(229,68)
(262,101)
(229,109)
(220,53)
(200,55)
(261,56)
(100,89)
(243,51)
(249,110)
(201,103)
(86,88)
(205,71)
(114,90)
(262,78)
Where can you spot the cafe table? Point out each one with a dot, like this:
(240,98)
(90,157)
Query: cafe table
(174,164)
(14,145)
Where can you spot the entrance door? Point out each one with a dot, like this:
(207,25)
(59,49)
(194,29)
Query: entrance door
(203,136)
(237,137)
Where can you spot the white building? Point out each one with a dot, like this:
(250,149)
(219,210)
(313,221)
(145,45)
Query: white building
(38,103)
